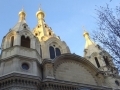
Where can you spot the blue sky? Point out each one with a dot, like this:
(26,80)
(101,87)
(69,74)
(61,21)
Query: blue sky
(65,17)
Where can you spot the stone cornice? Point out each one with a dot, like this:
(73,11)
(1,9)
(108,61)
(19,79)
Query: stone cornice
(18,81)
(73,84)
(19,47)
(22,57)
(13,75)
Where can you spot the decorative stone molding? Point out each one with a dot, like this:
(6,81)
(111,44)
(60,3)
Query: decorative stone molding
(65,85)
(15,82)
(26,33)
(21,51)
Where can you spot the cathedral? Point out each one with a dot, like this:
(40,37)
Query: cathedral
(40,60)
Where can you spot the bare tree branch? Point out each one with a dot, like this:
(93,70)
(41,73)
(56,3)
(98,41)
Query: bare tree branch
(108,34)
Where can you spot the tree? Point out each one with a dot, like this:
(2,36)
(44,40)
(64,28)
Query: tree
(108,33)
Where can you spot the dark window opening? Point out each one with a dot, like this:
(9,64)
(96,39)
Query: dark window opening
(106,60)
(97,62)
(36,34)
(25,42)
(117,83)
(57,51)
(52,52)
(50,33)
(24,26)
(12,41)
(45,25)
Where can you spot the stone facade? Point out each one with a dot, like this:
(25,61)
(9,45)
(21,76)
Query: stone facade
(39,60)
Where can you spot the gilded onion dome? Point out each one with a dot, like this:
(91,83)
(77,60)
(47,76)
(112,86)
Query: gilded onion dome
(22,15)
(40,14)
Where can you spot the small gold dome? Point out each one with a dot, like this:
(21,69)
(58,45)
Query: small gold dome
(22,12)
(40,12)
(85,33)
(22,15)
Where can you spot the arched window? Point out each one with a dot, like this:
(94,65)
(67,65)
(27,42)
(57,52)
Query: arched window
(57,51)
(106,60)
(12,41)
(52,52)
(97,62)
(25,42)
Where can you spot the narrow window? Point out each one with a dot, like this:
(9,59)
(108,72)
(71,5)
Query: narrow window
(12,41)
(97,62)
(52,52)
(25,42)
(106,60)
(117,82)
(57,51)
(50,33)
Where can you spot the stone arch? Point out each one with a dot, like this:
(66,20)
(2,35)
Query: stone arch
(75,72)
(33,40)
(45,46)
(26,33)
(53,40)
(56,50)
(62,45)
(71,67)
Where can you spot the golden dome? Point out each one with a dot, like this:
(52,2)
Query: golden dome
(22,15)
(40,12)
(22,12)
(85,33)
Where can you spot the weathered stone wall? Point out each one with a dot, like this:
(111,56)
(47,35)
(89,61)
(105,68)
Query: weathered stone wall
(74,72)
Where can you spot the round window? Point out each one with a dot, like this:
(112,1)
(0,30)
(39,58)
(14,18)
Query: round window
(25,66)
(117,83)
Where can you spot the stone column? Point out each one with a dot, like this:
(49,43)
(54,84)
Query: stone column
(17,39)
(32,43)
